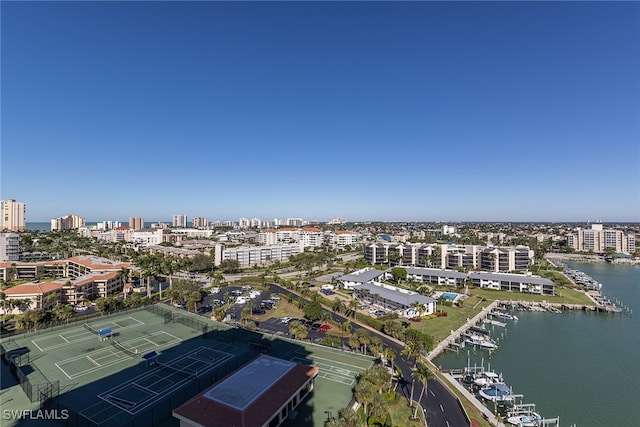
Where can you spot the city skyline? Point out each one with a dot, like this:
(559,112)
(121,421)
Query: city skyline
(369,111)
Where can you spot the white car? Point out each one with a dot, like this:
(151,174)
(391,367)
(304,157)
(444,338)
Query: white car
(80,308)
(286,319)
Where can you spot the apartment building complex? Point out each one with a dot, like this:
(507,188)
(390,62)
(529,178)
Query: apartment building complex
(515,258)
(199,222)
(136,222)
(68,222)
(526,283)
(13,215)
(599,240)
(75,280)
(9,247)
(179,221)
(248,256)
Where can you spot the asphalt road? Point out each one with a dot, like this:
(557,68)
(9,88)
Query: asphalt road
(441,407)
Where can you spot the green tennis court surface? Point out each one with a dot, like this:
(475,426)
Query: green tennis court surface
(156,358)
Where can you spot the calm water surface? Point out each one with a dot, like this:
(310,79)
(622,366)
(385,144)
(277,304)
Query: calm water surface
(581,367)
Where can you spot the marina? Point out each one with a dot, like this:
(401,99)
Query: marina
(506,406)
(606,396)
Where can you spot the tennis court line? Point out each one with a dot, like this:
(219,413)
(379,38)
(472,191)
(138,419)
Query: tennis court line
(359,368)
(84,335)
(330,372)
(110,397)
(108,351)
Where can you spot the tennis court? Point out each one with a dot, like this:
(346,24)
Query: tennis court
(118,352)
(106,379)
(144,391)
(78,335)
(335,366)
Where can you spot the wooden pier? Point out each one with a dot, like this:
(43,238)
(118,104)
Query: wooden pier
(452,339)
(559,307)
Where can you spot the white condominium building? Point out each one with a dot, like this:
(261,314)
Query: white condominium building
(599,240)
(68,222)
(12,215)
(179,221)
(9,247)
(200,222)
(248,256)
(136,222)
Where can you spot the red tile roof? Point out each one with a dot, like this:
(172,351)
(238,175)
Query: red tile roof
(33,288)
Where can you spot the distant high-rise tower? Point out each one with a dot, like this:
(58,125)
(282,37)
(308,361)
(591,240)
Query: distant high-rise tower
(179,221)
(136,222)
(199,222)
(68,222)
(13,215)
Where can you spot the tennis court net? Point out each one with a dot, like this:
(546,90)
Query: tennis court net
(89,328)
(174,370)
(119,346)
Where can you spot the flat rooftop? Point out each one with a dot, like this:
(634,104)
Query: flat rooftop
(243,387)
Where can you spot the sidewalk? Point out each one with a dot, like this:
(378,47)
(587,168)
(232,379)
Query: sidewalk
(488,415)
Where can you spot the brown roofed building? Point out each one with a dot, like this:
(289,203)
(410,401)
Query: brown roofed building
(262,393)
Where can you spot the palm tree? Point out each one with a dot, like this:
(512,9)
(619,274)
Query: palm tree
(348,418)
(365,393)
(389,354)
(124,277)
(412,349)
(337,306)
(353,306)
(422,374)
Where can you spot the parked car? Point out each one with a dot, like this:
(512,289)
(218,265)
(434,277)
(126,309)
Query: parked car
(275,297)
(205,309)
(258,310)
(325,328)
(79,308)
(286,319)
(380,313)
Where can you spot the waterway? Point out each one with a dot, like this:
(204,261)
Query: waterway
(580,366)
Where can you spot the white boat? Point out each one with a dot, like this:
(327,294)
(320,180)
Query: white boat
(503,315)
(486,378)
(480,342)
(496,392)
(525,420)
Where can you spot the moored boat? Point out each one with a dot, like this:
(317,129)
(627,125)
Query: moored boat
(496,392)
(522,420)
(480,342)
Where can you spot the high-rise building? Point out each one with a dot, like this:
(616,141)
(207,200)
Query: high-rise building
(199,222)
(179,221)
(243,223)
(68,222)
(9,247)
(136,222)
(599,240)
(12,215)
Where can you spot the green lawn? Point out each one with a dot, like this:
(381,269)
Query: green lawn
(441,327)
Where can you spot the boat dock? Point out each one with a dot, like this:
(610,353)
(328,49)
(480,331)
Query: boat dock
(455,336)
(494,322)
(605,307)
(497,416)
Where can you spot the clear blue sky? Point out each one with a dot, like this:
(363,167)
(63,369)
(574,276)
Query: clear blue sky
(368,111)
